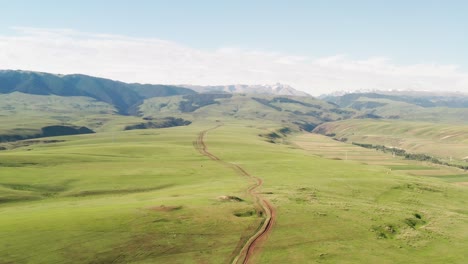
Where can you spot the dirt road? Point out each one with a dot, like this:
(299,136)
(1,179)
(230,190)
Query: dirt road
(244,253)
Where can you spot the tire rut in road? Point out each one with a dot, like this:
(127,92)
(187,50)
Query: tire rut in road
(245,252)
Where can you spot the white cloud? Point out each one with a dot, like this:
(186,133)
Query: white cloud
(159,61)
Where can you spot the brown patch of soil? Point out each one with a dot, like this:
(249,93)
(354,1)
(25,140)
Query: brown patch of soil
(163,208)
(228,198)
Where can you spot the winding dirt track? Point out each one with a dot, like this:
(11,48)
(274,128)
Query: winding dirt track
(244,253)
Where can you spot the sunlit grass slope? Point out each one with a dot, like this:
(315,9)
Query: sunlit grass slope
(413,112)
(279,109)
(441,140)
(147,196)
(410,107)
(338,211)
(142,196)
(25,114)
(332,149)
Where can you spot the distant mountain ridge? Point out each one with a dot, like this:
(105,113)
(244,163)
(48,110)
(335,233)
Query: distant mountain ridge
(422,99)
(124,96)
(276,89)
(410,105)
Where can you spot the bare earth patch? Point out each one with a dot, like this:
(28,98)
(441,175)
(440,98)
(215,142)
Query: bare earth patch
(163,208)
(229,198)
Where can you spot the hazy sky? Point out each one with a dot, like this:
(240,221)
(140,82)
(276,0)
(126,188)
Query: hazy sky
(315,46)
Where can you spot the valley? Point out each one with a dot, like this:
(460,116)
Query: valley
(229,178)
(128,199)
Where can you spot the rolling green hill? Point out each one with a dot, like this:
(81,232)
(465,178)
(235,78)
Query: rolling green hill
(123,96)
(448,142)
(302,112)
(423,99)
(188,177)
(414,106)
(24,114)
(148,196)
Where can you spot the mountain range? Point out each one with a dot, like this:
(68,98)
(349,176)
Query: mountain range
(276,89)
(124,96)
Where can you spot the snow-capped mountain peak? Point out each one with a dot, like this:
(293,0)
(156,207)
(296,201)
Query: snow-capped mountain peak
(275,89)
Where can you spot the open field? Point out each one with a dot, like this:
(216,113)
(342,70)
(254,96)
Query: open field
(441,140)
(148,196)
(137,196)
(233,132)
(335,150)
(336,211)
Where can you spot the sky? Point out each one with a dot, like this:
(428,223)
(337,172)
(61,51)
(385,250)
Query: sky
(315,46)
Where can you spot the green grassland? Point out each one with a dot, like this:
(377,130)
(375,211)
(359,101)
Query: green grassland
(147,196)
(286,110)
(25,114)
(140,196)
(441,140)
(338,211)
(412,112)
(417,106)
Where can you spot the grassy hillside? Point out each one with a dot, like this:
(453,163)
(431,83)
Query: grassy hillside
(412,107)
(150,196)
(336,211)
(440,140)
(147,196)
(302,112)
(405,111)
(25,114)
(144,196)
(123,96)
(419,98)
